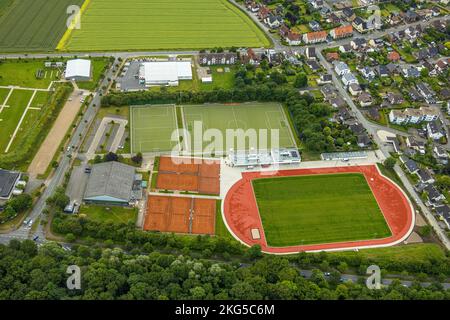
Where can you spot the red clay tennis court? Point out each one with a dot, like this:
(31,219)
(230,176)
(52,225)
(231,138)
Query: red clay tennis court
(189,174)
(243,219)
(180,214)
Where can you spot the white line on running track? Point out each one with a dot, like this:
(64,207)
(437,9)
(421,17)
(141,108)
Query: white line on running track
(20,121)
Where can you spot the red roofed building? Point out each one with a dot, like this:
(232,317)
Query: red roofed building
(332,56)
(293,38)
(315,37)
(342,32)
(393,56)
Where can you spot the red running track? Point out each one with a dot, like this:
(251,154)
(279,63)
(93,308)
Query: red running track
(241,212)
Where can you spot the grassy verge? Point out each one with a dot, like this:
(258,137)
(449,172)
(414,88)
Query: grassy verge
(109,214)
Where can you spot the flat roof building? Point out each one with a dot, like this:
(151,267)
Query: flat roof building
(110,183)
(8,180)
(78,70)
(165,73)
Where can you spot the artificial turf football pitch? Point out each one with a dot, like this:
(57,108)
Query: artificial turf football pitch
(314,209)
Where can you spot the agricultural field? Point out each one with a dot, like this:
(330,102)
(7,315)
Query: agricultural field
(152,128)
(179,24)
(36,25)
(257,116)
(314,209)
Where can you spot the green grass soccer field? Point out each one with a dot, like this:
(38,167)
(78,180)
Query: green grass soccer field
(257,116)
(36,25)
(152,128)
(179,24)
(316,209)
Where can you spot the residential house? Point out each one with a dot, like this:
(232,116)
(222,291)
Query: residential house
(249,56)
(365,99)
(325,78)
(314,25)
(210,59)
(293,38)
(310,53)
(394,98)
(338,102)
(360,25)
(341,68)
(374,114)
(393,56)
(425,176)
(349,78)
(363,140)
(342,32)
(328,91)
(345,48)
(413,143)
(410,16)
(426,92)
(273,21)
(354,89)
(367,73)
(410,164)
(382,71)
(313,65)
(441,154)
(333,19)
(429,113)
(444,214)
(348,14)
(357,128)
(253,6)
(358,43)
(315,37)
(435,130)
(397,117)
(263,13)
(332,56)
(434,197)
(410,72)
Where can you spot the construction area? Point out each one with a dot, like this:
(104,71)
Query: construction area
(180,214)
(189,174)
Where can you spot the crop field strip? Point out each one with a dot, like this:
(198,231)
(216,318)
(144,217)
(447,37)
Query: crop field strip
(157,24)
(36,25)
(312,209)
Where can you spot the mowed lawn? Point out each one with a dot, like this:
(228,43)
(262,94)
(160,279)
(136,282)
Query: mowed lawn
(23,73)
(250,117)
(35,25)
(152,128)
(109,214)
(11,114)
(315,209)
(156,24)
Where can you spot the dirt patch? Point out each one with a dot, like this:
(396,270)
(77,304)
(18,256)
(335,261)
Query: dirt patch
(56,135)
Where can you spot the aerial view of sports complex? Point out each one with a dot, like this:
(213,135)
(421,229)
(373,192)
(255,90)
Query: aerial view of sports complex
(224,150)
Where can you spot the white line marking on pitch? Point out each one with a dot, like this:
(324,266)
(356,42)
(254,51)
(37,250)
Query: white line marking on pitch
(6,100)
(20,121)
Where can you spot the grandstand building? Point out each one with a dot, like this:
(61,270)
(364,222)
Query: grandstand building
(264,157)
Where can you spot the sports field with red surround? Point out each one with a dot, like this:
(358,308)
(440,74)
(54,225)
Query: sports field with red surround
(189,174)
(241,214)
(180,214)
